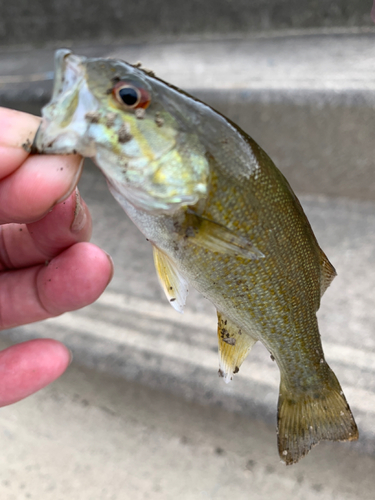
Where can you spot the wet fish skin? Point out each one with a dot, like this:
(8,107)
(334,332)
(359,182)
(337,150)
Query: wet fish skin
(220,217)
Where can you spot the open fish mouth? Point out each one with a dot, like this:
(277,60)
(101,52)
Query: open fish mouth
(64,128)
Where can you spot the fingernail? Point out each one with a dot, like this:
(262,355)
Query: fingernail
(70,357)
(73,183)
(80,215)
(112,267)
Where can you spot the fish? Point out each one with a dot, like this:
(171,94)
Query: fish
(220,217)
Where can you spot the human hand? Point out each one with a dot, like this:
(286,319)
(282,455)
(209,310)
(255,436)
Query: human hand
(46,265)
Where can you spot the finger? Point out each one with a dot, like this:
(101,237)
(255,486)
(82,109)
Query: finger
(37,185)
(24,245)
(16,129)
(72,280)
(25,368)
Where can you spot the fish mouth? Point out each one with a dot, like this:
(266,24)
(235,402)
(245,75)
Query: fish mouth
(63,128)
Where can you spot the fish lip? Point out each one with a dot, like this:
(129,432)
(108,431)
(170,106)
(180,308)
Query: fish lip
(60,56)
(65,61)
(53,136)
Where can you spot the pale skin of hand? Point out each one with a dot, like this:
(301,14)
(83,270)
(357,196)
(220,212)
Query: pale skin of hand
(47,266)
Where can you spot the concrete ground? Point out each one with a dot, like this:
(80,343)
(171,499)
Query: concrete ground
(141,412)
(92,436)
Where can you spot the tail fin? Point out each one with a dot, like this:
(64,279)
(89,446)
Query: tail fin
(304,419)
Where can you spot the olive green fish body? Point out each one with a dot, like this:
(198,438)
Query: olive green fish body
(220,217)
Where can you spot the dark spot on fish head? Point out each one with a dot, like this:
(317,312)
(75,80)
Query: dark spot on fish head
(236,370)
(172,300)
(124,135)
(220,372)
(110,119)
(159,121)
(92,117)
(140,113)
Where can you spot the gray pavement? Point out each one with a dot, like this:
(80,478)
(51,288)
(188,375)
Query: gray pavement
(141,412)
(95,437)
(51,21)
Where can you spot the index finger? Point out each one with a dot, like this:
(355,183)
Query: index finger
(30,185)
(16,130)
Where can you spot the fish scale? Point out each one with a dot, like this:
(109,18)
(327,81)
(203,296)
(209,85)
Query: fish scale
(220,217)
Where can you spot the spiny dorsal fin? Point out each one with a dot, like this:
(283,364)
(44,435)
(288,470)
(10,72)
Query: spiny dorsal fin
(328,272)
(218,238)
(304,419)
(234,346)
(174,285)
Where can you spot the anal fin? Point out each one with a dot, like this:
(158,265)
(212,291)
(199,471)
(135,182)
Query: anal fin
(234,346)
(172,282)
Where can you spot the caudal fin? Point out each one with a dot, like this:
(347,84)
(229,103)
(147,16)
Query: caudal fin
(304,419)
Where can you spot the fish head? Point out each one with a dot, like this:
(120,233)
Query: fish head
(131,125)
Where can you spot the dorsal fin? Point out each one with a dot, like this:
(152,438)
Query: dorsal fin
(328,272)
(174,285)
(234,346)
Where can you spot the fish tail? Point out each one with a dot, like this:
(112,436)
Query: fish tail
(305,418)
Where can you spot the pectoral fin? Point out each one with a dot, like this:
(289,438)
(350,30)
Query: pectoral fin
(234,346)
(174,285)
(218,238)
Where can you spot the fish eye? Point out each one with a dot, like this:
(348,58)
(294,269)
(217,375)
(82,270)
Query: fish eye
(131,96)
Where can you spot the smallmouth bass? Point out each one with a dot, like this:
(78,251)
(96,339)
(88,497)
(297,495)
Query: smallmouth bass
(220,216)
